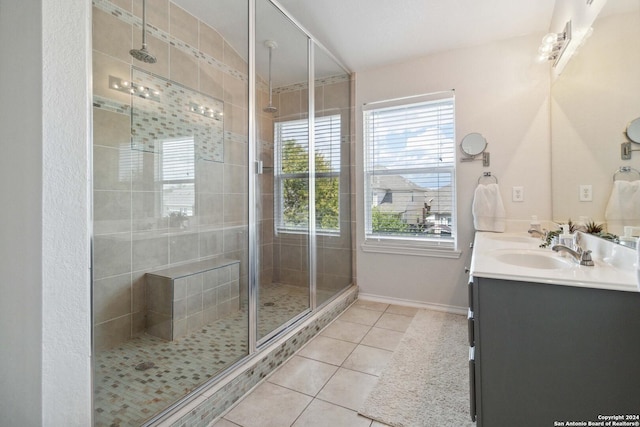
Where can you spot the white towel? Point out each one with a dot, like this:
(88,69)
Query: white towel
(488,210)
(623,207)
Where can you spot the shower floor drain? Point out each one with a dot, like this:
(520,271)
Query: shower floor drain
(269,304)
(144,366)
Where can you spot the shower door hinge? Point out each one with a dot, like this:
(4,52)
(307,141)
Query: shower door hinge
(259,167)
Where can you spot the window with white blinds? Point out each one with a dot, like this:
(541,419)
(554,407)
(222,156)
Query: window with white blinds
(178,176)
(291,177)
(410,171)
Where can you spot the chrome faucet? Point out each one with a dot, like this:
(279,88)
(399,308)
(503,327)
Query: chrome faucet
(582,257)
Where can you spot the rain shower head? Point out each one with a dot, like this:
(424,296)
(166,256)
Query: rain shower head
(143,54)
(270,108)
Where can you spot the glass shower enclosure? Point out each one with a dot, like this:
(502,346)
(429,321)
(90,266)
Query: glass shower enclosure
(221,193)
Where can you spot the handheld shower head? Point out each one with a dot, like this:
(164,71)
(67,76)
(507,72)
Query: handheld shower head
(143,54)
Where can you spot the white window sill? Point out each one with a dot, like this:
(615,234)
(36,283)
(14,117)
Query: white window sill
(402,248)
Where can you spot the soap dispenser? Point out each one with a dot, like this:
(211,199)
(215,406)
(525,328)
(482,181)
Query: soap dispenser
(566,238)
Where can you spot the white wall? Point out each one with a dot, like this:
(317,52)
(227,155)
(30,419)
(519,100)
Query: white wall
(44,251)
(501,92)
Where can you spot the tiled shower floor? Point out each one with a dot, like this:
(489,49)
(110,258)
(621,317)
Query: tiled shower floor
(125,396)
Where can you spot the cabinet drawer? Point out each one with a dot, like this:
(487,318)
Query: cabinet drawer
(471,302)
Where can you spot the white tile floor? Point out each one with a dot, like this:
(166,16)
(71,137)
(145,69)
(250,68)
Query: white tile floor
(328,380)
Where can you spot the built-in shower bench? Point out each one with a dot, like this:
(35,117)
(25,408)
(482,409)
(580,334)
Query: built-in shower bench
(182,299)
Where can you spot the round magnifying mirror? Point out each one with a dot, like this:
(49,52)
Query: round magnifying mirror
(473,144)
(633,130)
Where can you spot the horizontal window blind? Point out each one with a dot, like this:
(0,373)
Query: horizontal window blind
(410,170)
(178,176)
(292,169)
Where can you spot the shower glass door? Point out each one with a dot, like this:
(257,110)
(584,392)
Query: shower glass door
(170,202)
(282,188)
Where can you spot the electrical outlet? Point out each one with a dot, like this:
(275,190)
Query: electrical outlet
(586,193)
(517,194)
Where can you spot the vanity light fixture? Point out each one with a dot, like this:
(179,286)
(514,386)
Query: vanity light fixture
(134,89)
(554,44)
(204,111)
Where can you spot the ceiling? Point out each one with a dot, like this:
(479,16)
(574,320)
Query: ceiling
(365,34)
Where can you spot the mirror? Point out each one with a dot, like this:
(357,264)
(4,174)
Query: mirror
(633,130)
(592,102)
(473,144)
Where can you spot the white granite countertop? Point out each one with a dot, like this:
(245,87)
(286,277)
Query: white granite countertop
(614,264)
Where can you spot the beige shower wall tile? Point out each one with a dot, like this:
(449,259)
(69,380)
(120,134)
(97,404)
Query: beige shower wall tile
(183,68)
(159,49)
(111,129)
(112,211)
(112,255)
(293,103)
(111,35)
(111,298)
(149,250)
(233,59)
(112,333)
(211,208)
(108,173)
(235,179)
(336,95)
(209,176)
(211,243)
(138,298)
(144,172)
(103,67)
(183,25)
(235,209)
(146,213)
(236,91)
(211,80)
(183,247)
(265,127)
(211,42)
(157,13)
(235,119)
(235,153)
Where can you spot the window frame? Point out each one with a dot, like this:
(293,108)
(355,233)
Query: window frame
(398,244)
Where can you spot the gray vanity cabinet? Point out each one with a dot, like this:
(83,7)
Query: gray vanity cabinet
(545,355)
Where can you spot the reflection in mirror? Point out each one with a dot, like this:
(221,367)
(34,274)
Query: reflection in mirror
(473,144)
(592,102)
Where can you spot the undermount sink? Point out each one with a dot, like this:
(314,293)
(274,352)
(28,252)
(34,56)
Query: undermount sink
(532,259)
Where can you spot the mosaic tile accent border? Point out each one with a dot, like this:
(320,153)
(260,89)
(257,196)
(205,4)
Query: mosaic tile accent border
(181,113)
(120,108)
(318,82)
(227,395)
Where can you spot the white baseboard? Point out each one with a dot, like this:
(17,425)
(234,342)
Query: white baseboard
(409,303)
